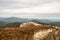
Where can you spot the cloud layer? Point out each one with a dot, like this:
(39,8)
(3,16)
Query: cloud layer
(30,8)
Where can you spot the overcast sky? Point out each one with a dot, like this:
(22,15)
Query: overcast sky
(30,8)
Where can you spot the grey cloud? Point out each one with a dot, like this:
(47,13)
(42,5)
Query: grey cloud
(48,15)
(21,3)
(12,5)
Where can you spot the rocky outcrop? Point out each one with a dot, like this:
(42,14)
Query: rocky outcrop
(31,31)
(54,35)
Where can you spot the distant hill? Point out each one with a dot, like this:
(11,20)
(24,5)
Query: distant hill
(42,20)
(14,24)
(55,23)
(9,20)
(1,18)
(54,20)
(3,23)
(15,19)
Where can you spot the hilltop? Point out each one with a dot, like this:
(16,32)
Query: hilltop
(30,31)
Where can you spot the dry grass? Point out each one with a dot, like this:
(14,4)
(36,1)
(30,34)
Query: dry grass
(30,31)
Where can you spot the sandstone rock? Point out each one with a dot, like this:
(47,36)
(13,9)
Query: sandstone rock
(30,31)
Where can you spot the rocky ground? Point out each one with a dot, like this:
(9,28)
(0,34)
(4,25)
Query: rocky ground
(31,31)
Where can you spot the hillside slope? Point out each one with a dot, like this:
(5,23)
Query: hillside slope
(30,31)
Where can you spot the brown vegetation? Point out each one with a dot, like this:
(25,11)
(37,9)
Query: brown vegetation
(30,31)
